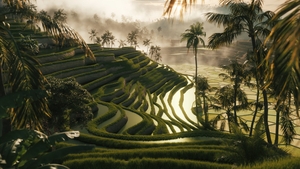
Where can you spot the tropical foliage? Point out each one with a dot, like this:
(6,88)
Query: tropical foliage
(248,18)
(27,149)
(24,76)
(68,103)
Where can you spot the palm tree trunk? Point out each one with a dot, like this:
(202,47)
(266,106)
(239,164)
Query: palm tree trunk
(5,125)
(204,110)
(277,124)
(235,95)
(256,107)
(266,115)
(196,81)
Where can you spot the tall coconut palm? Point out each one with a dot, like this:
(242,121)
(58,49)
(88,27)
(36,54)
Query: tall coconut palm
(247,18)
(193,38)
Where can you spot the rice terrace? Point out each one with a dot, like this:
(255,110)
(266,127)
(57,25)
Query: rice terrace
(70,99)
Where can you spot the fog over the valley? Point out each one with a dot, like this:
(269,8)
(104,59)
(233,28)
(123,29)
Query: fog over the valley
(122,17)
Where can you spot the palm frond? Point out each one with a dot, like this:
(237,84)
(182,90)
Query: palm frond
(171,6)
(220,19)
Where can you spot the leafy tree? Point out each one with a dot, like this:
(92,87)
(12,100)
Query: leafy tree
(246,18)
(68,103)
(193,38)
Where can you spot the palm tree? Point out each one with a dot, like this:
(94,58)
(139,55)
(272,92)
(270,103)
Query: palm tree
(171,6)
(224,99)
(237,73)
(147,43)
(23,76)
(193,38)
(93,34)
(284,55)
(203,88)
(155,52)
(246,18)
(122,43)
(132,38)
(107,38)
(61,31)
(112,40)
(98,40)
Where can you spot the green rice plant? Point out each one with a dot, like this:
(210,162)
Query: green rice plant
(93,163)
(119,123)
(92,126)
(161,127)
(74,71)
(61,65)
(283,163)
(170,97)
(168,163)
(130,56)
(181,100)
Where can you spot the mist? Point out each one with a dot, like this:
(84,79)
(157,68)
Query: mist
(122,17)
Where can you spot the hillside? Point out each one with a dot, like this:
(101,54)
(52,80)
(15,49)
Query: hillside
(143,118)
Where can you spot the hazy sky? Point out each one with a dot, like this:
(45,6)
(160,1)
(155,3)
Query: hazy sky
(137,9)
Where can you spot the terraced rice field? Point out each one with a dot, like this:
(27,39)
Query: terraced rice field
(143,113)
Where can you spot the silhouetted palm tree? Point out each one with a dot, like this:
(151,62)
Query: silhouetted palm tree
(93,34)
(122,43)
(246,18)
(155,52)
(147,43)
(193,38)
(132,38)
(106,38)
